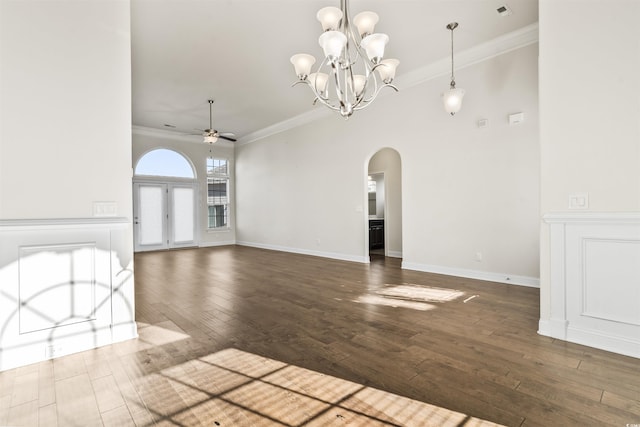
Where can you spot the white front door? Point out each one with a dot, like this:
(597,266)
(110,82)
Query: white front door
(164,216)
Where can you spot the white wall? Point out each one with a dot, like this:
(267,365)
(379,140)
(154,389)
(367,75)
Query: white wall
(145,140)
(464,189)
(590,112)
(388,162)
(65,108)
(65,137)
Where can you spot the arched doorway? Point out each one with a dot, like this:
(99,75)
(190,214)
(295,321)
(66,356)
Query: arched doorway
(384,195)
(164,202)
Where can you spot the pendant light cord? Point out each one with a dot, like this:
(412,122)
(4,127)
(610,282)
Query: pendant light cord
(453,80)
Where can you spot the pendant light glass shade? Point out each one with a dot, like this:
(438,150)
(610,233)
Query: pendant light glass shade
(387,70)
(329,18)
(365,22)
(210,139)
(319,81)
(302,62)
(374,45)
(453,100)
(332,43)
(358,83)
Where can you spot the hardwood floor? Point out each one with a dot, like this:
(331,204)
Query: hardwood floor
(242,336)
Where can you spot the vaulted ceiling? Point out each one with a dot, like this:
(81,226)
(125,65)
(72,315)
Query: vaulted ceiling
(237,53)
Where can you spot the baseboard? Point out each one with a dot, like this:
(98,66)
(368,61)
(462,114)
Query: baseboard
(563,330)
(394,254)
(212,244)
(593,338)
(331,255)
(510,279)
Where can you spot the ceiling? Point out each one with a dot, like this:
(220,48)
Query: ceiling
(237,52)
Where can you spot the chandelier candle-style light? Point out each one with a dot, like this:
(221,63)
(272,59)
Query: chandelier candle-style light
(351,57)
(453,97)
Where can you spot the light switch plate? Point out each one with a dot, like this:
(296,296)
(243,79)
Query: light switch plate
(578,201)
(101,209)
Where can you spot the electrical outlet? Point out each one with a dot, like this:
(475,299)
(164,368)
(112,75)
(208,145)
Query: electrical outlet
(52,351)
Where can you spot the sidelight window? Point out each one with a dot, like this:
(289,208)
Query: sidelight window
(218,192)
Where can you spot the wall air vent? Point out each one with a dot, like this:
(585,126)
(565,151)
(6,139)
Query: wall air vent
(504,10)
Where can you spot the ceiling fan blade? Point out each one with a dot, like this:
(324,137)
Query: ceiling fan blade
(228,138)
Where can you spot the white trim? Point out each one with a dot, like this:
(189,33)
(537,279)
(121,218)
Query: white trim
(510,279)
(174,136)
(517,39)
(544,327)
(293,122)
(394,254)
(221,243)
(63,223)
(568,318)
(604,341)
(506,43)
(332,255)
(592,217)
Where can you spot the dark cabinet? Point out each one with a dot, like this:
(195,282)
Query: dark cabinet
(376,233)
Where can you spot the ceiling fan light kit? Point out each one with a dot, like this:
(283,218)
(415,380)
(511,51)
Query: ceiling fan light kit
(351,55)
(210,136)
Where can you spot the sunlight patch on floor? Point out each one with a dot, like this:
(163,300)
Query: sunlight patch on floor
(411,296)
(236,388)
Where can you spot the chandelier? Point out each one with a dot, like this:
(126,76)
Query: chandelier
(351,55)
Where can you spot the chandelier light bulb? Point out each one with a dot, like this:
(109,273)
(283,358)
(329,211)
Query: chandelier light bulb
(332,43)
(358,84)
(365,22)
(374,45)
(329,18)
(302,63)
(319,81)
(387,70)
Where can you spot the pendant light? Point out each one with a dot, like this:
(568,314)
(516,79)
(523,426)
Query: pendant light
(453,97)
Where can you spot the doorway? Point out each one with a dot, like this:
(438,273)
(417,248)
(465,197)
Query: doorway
(376,211)
(164,201)
(384,196)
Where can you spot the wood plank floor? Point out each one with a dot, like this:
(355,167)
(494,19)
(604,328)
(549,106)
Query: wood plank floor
(241,336)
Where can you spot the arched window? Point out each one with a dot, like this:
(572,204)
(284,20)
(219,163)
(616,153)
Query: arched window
(164,162)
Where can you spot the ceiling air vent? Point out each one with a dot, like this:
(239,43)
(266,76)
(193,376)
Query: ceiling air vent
(504,10)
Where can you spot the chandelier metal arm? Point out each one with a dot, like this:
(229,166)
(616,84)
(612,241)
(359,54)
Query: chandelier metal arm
(353,67)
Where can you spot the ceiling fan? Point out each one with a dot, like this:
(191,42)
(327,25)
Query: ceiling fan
(211,135)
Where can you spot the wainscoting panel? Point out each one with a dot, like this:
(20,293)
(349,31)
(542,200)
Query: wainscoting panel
(62,288)
(64,274)
(595,281)
(611,277)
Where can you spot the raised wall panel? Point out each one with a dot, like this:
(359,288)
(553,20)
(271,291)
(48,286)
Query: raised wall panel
(56,285)
(595,281)
(610,288)
(64,288)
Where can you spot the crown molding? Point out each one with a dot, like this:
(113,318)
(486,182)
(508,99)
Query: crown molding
(514,40)
(167,134)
